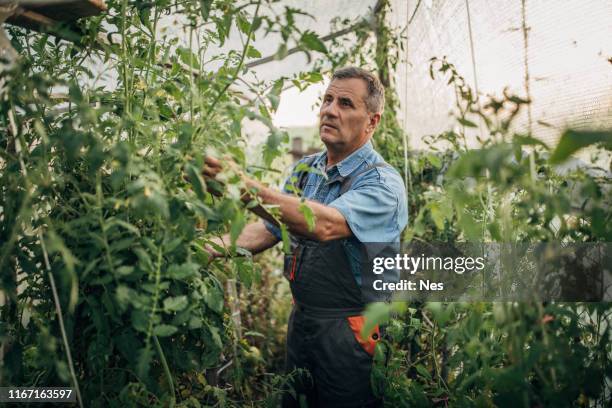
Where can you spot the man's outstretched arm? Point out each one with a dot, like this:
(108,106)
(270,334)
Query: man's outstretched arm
(255,237)
(330,224)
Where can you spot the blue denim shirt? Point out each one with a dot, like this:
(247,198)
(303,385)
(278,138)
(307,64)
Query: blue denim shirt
(374,207)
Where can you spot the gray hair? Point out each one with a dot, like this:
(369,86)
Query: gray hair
(375,100)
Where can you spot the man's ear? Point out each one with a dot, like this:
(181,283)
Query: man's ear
(374,121)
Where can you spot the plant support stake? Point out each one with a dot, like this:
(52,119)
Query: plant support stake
(58,310)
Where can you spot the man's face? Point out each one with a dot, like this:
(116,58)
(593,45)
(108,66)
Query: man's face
(344,120)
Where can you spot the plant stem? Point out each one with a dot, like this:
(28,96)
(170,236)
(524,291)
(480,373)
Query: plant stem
(238,67)
(167,372)
(107,251)
(155,294)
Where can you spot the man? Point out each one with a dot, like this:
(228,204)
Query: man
(355,199)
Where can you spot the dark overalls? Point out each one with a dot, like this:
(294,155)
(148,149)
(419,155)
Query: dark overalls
(329,361)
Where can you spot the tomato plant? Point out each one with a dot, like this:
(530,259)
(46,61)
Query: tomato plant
(508,190)
(102,146)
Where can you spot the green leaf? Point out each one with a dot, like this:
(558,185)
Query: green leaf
(195,322)
(263,109)
(528,141)
(308,214)
(140,320)
(495,231)
(183,271)
(115,221)
(164,330)
(272,148)
(123,295)
(213,296)
(286,239)
(297,84)
(312,41)
(175,304)
(243,24)
(441,312)
(434,160)
(215,335)
(171,245)
(144,260)
(188,58)
(437,216)
(277,88)
(574,140)
(256,23)
(124,270)
(281,52)
(245,271)
(224,25)
(237,226)
(144,13)
(196,180)
(145,355)
(205,6)
(314,77)
(274,101)
(379,313)
(466,122)
(253,52)
(423,371)
(55,244)
(122,244)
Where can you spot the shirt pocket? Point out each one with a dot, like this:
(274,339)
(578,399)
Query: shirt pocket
(309,189)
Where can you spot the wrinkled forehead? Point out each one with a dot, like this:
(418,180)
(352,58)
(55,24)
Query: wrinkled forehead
(352,88)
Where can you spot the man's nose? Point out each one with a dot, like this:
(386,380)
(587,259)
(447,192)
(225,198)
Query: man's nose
(329,109)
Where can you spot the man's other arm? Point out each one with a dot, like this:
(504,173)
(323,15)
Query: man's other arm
(255,237)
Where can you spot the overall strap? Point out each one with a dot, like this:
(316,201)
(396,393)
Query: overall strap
(348,182)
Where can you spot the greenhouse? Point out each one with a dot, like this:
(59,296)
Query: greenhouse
(325,203)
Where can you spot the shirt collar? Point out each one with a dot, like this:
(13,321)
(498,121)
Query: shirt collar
(350,163)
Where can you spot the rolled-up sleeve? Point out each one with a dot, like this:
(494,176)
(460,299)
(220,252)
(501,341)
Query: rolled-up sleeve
(375,209)
(274,230)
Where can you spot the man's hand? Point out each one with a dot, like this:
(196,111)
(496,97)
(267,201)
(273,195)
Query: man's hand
(212,168)
(255,238)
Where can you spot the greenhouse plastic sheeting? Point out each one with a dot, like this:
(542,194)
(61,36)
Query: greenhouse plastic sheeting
(320,20)
(566,56)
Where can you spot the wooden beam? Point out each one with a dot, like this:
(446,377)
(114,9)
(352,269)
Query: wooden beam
(30,20)
(47,17)
(70,10)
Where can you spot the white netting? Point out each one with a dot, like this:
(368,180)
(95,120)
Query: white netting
(567,57)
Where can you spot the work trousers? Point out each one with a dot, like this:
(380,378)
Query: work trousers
(328,366)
